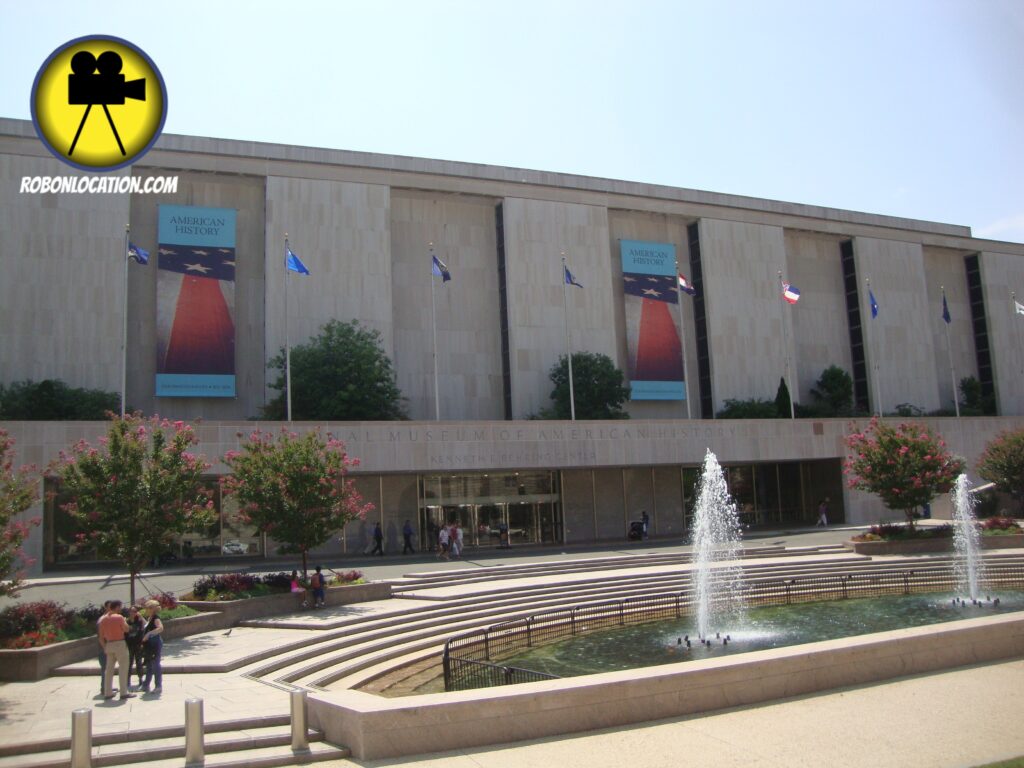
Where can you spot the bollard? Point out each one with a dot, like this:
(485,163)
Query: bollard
(300,740)
(194,747)
(81,738)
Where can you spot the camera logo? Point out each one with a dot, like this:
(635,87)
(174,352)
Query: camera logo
(98,103)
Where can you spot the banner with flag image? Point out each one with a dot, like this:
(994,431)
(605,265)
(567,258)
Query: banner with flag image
(653,332)
(790,292)
(139,255)
(195,324)
(1018,307)
(945,309)
(686,286)
(439,269)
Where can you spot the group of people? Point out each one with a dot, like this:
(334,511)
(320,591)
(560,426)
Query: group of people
(135,642)
(317,585)
(449,541)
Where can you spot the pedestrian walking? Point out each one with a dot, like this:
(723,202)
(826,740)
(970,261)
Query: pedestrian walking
(822,513)
(443,542)
(378,540)
(407,533)
(453,541)
(458,537)
(153,645)
(112,629)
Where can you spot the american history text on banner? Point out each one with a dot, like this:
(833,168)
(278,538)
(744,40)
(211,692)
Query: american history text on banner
(653,333)
(195,316)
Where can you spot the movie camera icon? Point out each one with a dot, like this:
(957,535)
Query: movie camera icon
(107,86)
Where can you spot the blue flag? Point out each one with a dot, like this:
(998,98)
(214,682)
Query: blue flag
(874,304)
(945,309)
(569,279)
(141,255)
(439,268)
(292,262)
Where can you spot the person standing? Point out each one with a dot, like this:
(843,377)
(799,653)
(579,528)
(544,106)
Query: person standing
(646,522)
(822,513)
(136,629)
(407,533)
(112,629)
(317,584)
(458,537)
(153,643)
(102,656)
(296,588)
(378,540)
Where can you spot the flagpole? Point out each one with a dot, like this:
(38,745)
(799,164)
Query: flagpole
(949,351)
(568,343)
(433,325)
(878,391)
(124,324)
(785,346)
(1013,300)
(287,345)
(682,344)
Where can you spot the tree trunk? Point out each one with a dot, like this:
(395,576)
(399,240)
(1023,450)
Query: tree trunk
(131,589)
(305,567)
(909,513)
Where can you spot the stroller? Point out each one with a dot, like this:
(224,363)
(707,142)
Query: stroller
(636,530)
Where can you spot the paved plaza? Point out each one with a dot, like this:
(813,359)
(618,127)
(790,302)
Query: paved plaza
(964,717)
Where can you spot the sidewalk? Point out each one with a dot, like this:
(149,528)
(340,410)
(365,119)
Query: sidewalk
(958,719)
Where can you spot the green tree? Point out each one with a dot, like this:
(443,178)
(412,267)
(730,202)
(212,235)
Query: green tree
(342,374)
(1002,463)
(53,400)
(782,400)
(973,400)
(137,491)
(906,466)
(753,408)
(18,492)
(833,392)
(598,388)
(294,489)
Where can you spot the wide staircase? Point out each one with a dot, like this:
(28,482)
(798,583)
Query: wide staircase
(394,647)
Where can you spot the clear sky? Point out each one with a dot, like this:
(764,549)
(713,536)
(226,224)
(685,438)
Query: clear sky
(904,107)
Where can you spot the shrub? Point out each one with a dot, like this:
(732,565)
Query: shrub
(997,525)
(348,577)
(24,618)
(279,582)
(753,408)
(167,600)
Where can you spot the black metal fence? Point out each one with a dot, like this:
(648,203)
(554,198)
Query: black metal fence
(470,660)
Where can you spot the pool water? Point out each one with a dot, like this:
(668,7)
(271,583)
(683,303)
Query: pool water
(662,642)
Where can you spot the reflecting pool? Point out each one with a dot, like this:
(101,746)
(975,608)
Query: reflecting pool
(664,642)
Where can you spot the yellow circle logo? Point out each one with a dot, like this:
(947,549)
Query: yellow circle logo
(99,103)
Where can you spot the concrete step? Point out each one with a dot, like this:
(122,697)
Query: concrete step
(265,757)
(137,751)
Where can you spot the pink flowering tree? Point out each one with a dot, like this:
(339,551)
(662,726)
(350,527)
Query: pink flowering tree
(1002,463)
(294,489)
(906,466)
(136,492)
(18,492)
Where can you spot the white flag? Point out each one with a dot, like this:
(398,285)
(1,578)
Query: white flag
(1019,307)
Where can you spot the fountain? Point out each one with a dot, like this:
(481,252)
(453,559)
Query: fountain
(716,538)
(966,540)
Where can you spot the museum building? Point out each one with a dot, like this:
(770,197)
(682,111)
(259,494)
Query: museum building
(539,262)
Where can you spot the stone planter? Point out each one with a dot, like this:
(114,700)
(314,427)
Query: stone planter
(927,546)
(37,663)
(274,605)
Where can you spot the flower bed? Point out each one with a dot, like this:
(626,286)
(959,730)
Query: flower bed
(39,661)
(895,539)
(44,622)
(242,597)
